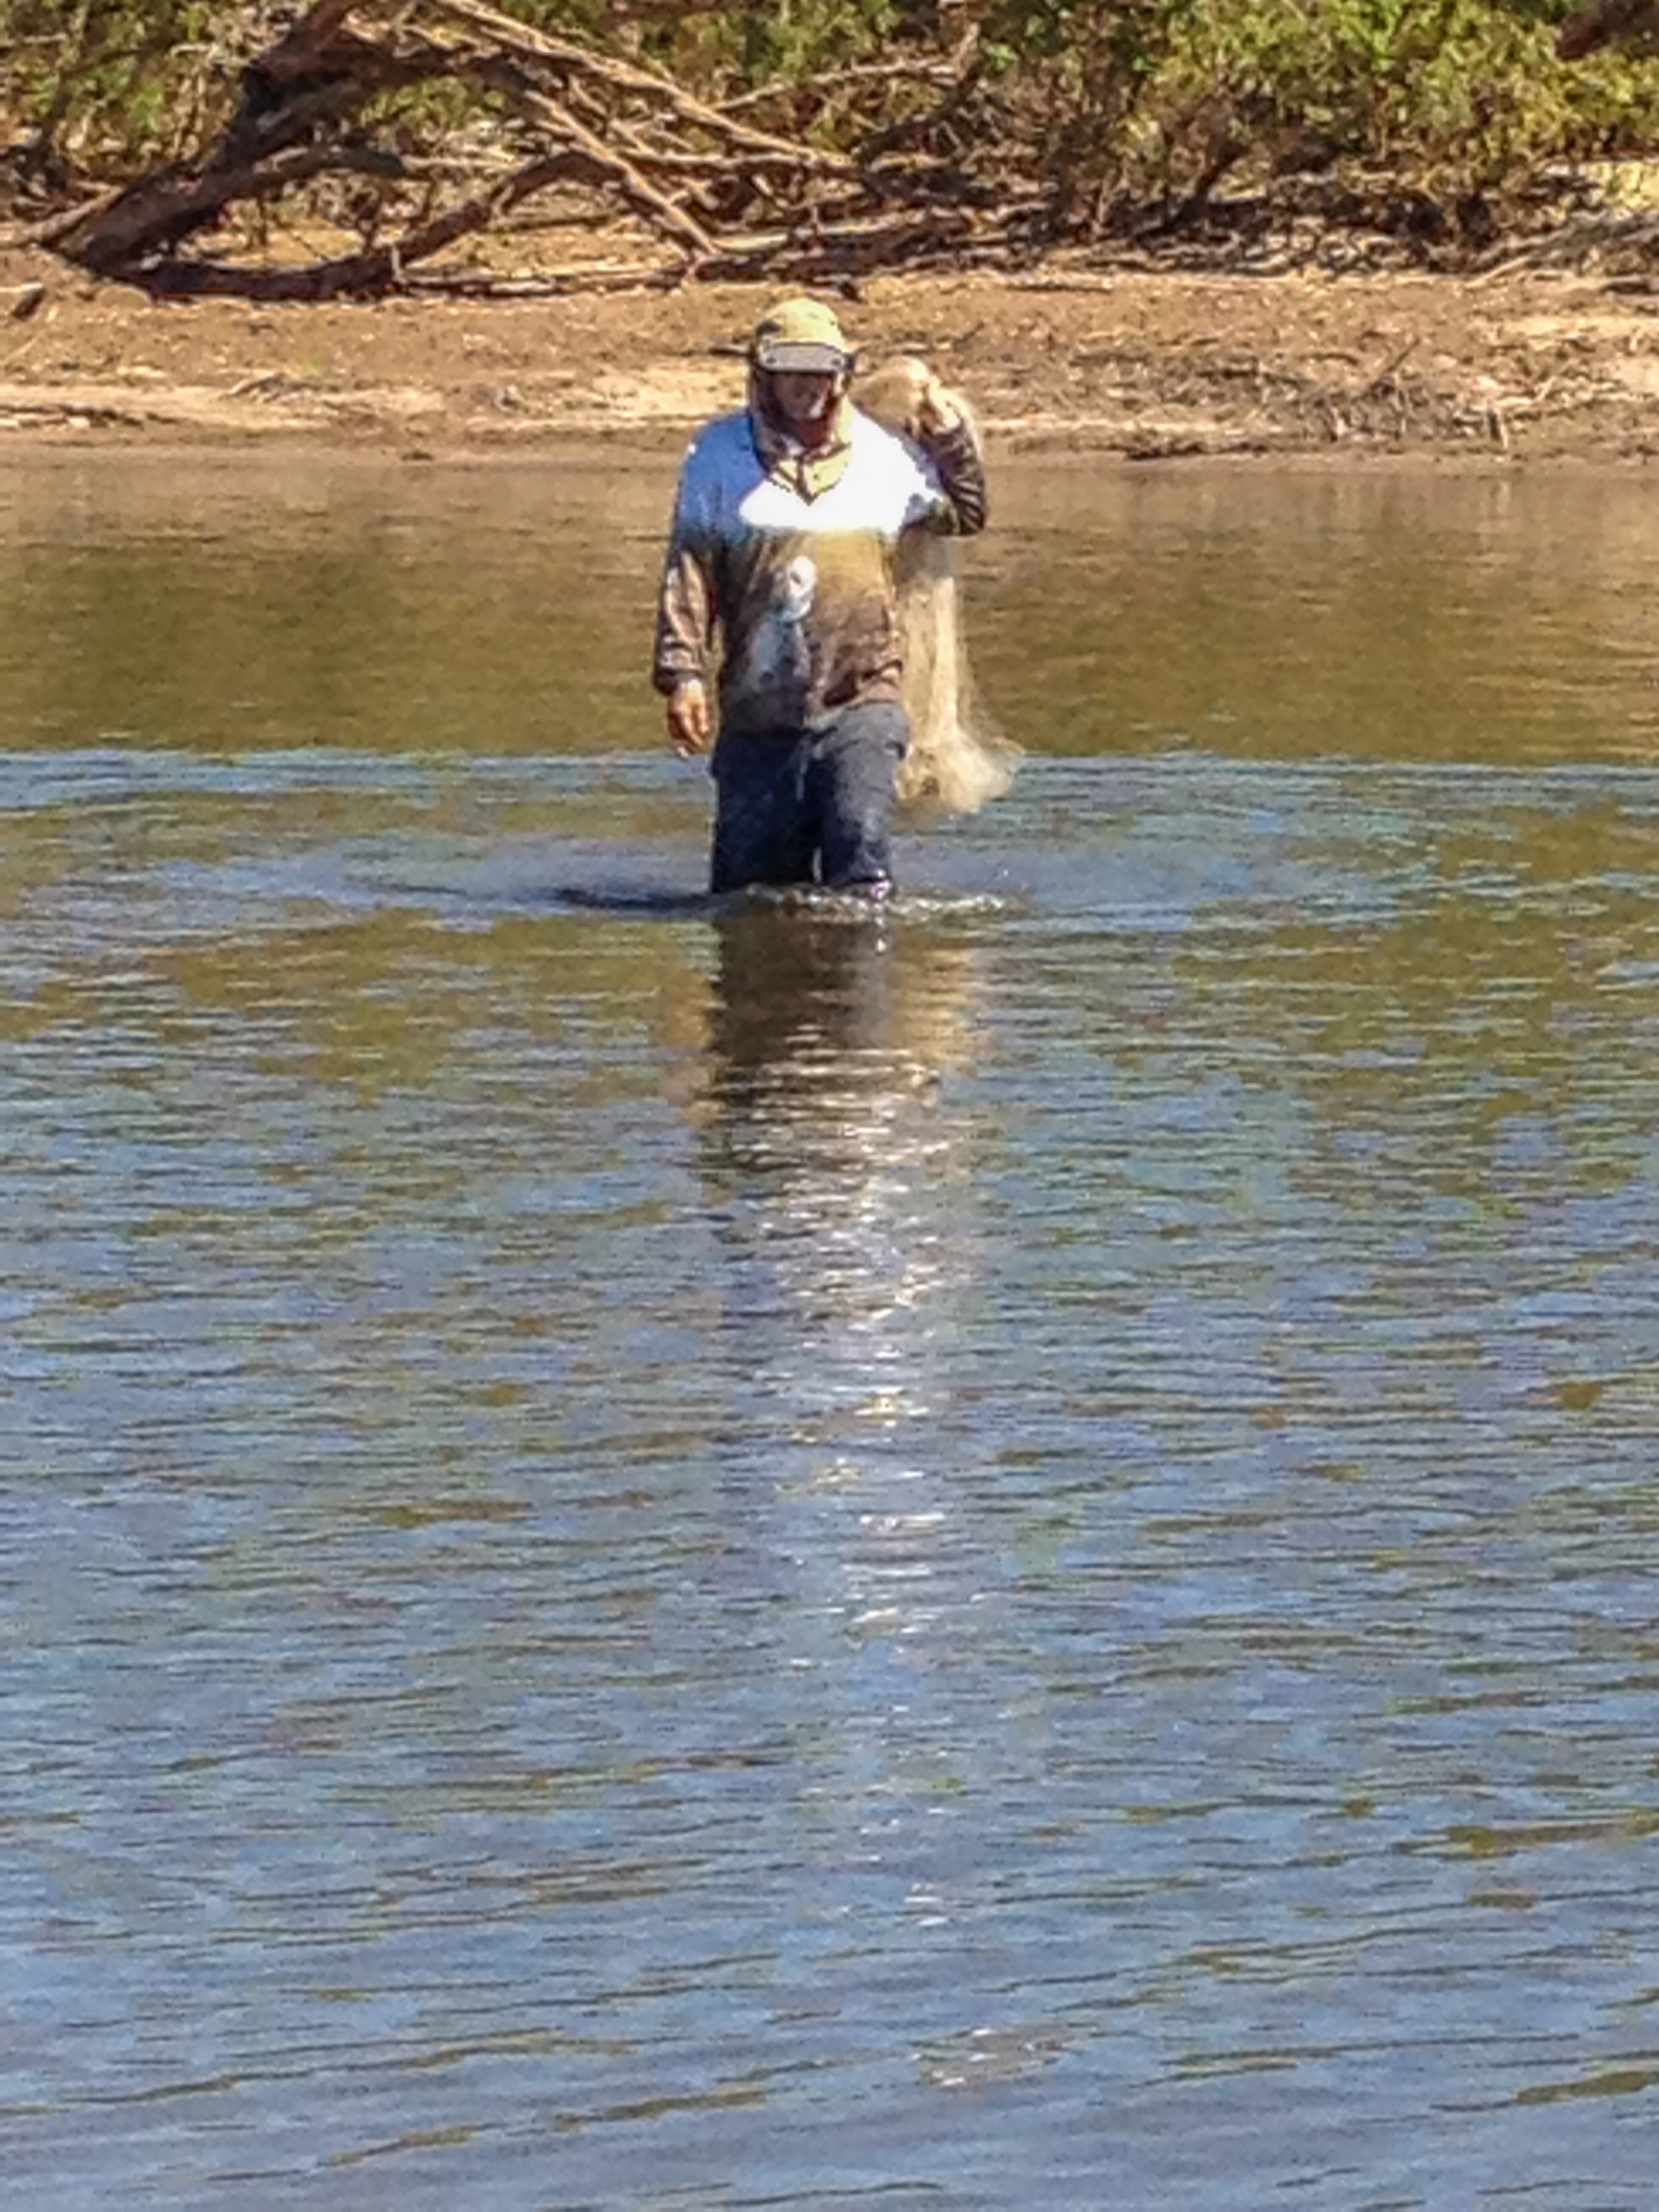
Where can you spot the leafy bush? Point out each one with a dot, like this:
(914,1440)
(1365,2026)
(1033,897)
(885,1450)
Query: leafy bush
(1164,97)
(92,85)
(1097,102)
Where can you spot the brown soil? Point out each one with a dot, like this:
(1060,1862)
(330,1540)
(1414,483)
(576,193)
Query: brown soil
(1528,365)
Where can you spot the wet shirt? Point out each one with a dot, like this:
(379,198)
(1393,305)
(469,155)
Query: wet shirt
(790,559)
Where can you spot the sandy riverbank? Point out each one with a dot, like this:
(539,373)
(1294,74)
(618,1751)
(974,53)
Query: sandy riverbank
(1529,366)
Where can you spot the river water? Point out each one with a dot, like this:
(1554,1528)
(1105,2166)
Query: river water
(1001,1556)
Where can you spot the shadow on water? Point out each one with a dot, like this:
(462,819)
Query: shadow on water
(823,913)
(623,881)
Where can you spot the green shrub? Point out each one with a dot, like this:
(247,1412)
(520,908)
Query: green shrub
(1094,101)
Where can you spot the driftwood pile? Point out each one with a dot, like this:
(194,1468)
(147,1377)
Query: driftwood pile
(714,194)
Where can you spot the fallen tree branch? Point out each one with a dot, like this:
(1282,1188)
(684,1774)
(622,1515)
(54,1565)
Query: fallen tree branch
(694,176)
(609,168)
(842,249)
(377,271)
(549,283)
(170,207)
(510,36)
(314,79)
(1574,242)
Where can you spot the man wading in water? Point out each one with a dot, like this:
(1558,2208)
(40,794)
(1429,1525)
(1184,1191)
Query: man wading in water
(785,530)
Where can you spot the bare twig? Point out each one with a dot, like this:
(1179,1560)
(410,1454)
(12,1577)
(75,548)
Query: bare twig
(839,80)
(549,283)
(611,168)
(510,36)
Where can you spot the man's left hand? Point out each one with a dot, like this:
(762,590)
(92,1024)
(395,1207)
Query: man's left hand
(937,415)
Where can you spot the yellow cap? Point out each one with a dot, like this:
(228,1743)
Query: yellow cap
(801,334)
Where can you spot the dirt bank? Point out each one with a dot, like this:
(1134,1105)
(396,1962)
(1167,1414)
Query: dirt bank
(1530,366)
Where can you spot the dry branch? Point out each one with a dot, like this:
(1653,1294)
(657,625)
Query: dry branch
(512,36)
(723,196)
(550,284)
(860,75)
(352,274)
(610,169)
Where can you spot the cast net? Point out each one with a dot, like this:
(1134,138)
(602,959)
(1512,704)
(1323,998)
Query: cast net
(957,758)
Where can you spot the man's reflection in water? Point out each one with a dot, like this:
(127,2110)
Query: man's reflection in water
(862,1572)
(829,1148)
(837,1170)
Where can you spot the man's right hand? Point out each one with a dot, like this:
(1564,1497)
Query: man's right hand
(688,718)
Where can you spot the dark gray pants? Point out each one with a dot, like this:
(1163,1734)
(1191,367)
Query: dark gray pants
(809,805)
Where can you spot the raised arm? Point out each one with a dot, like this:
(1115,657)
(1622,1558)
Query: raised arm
(946,435)
(960,468)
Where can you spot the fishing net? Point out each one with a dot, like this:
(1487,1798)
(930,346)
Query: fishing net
(957,758)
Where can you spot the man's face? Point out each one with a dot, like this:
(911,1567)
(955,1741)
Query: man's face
(803,397)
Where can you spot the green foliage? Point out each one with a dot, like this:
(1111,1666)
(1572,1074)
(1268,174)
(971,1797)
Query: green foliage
(1138,98)
(740,46)
(94,84)
(1167,97)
